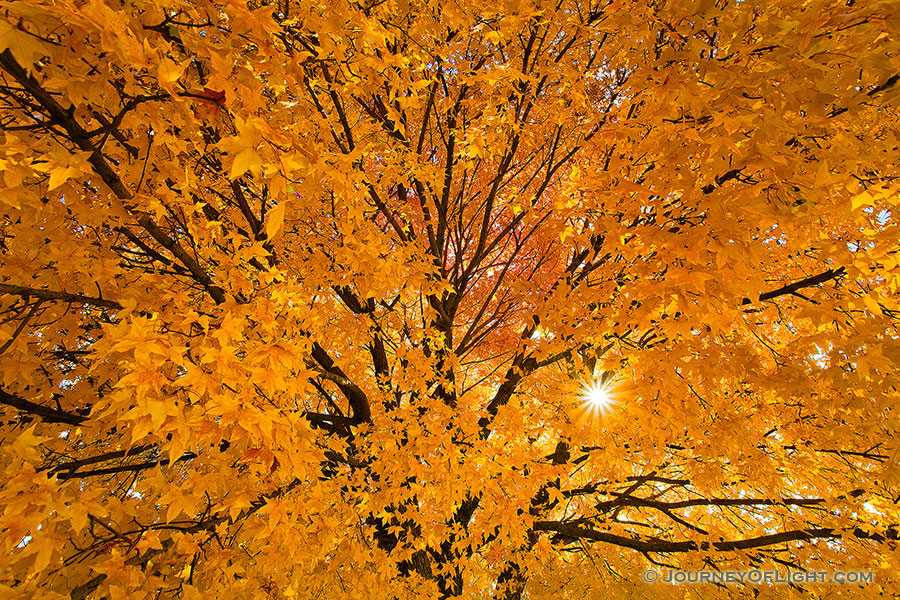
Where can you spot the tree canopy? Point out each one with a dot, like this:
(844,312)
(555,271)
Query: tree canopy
(432,299)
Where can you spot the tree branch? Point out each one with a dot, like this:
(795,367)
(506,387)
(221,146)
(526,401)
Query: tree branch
(799,285)
(46,414)
(357,398)
(27,292)
(657,545)
(81,138)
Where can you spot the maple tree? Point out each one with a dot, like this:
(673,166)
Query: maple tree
(303,300)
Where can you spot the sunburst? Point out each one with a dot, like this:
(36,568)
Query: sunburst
(597,397)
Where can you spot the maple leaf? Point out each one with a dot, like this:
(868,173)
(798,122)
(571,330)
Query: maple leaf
(210,105)
(275,221)
(168,74)
(26,46)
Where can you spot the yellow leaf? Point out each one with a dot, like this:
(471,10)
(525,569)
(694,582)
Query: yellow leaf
(190,592)
(274,221)
(26,443)
(892,351)
(864,199)
(246,160)
(78,518)
(168,73)
(25,47)
(158,412)
(872,305)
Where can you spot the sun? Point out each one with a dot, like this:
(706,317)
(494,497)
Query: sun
(597,397)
